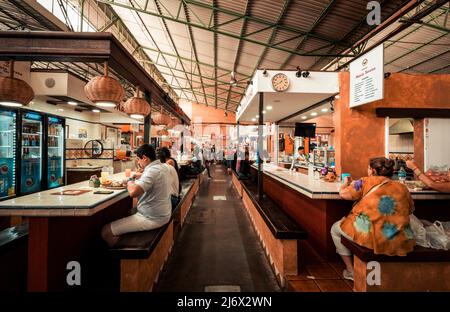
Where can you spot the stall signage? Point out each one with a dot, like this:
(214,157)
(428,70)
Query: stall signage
(367,77)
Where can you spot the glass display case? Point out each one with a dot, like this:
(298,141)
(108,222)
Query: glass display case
(320,157)
(8,145)
(323,157)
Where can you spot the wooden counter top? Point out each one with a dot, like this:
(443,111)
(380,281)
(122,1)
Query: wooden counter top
(44,204)
(319,189)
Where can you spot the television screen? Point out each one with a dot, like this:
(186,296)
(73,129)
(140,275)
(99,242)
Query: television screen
(306,130)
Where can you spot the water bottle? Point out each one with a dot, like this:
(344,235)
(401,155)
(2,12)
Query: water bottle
(402,175)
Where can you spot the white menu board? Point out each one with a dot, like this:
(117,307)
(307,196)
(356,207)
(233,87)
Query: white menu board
(367,77)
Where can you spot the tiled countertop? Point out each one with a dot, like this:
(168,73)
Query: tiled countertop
(319,189)
(46,204)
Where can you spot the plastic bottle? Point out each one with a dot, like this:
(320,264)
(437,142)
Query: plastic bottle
(402,175)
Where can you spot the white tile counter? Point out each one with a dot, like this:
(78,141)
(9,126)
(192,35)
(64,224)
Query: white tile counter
(46,204)
(319,189)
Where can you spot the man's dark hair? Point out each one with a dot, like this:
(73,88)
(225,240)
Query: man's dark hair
(165,151)
(300,148)
(147,150)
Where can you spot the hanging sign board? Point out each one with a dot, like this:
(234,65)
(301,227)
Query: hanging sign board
(367,77)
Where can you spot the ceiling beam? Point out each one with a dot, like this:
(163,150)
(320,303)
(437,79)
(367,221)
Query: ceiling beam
(194,49)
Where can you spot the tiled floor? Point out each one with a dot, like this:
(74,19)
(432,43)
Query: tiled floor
(316,275)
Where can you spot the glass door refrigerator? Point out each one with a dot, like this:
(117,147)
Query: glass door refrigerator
(31,152)
(55,152)
(8,155)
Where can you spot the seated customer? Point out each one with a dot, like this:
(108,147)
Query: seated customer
(171,161)
(443,187)
(379,219)
(174,183)
(152,189)
(244,167)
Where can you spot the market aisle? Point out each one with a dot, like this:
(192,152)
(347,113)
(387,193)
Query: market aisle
(218,249)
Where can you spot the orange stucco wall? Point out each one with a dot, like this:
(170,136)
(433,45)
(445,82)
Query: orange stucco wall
(207,114)
(360,135)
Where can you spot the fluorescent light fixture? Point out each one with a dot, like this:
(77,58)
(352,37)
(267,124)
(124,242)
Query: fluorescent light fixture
(264,111)
(105,104)
(313,114)
(253,119)
(96,110)
(324,110)
(72,103)
(11,104)
(257,116)
(136,116)
(60,110)
(269,107)
(304,117)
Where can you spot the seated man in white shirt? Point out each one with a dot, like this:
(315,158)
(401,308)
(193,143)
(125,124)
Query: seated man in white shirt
(153,190)
(300,156)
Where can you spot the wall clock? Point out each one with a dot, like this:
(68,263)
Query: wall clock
(280,82)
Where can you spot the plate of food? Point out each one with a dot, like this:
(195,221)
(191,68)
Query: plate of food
(116,185)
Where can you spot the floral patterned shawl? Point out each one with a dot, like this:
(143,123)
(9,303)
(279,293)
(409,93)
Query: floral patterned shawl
(380,220)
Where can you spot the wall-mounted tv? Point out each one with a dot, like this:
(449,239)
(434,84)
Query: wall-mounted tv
(306,130)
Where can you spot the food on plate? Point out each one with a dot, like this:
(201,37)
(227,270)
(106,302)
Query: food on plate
(106,182)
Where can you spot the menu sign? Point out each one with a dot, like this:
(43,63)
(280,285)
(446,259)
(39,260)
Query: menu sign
(367,77)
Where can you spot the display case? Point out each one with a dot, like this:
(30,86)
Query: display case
(320,157)
(323,157)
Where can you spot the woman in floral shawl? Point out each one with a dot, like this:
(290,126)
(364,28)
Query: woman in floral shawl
(379,219)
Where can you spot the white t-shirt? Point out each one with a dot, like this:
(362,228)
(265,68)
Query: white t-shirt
(155,202)
(173,179)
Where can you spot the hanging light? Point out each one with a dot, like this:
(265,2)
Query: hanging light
(160,119)
(104,91)
(137,107)
(14,92)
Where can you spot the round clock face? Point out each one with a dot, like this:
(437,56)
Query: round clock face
(280,82)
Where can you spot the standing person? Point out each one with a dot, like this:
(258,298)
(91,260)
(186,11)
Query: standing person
(299,157)
(207,159)
(153,207)
(379,219)
(174,182)
(443,187)
(213,153)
